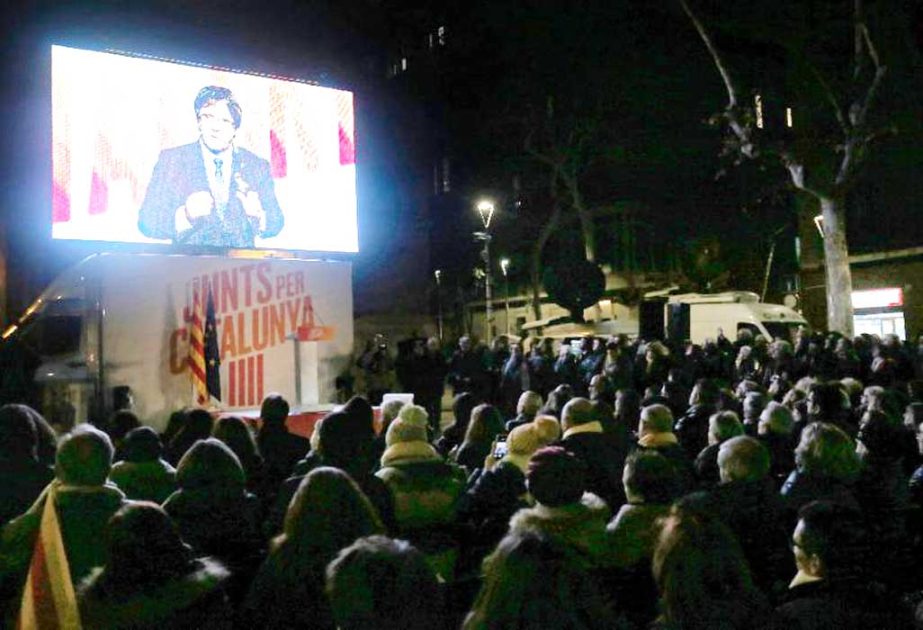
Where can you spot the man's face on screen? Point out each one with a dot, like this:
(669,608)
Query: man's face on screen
(216,126)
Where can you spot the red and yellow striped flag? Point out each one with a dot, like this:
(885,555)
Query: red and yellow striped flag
(197,349)
(49,601)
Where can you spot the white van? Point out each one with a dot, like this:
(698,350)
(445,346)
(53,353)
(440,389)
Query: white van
(730,312)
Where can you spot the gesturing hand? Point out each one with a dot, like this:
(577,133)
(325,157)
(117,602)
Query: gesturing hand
(250,200)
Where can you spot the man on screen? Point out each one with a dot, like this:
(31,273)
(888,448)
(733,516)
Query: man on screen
(211,192)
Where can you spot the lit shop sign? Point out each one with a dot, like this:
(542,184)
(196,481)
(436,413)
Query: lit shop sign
(878,298)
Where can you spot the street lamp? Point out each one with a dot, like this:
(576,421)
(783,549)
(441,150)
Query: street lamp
(485,210)
(505,267)
(438,274)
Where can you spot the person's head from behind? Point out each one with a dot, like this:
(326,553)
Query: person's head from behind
(197,426)
(462,407)
(649,477)
(529,404)
(754,403)
(723,426)
(531,581)
(704,393)
(699,569)
(826,402)
(379,583)
(826,451)
(577,412)
(522,442)
(776,419)
(274,411)
(627,407)
(142,445)
(361,412)
(548,429)
(234,432)
(486,423)
(144,546)
(555,477)
(84,457)
(210,465)
(389,411)
(327,513)
(743,459)
(218,116)
(878,437)
(120,423)
(828,539)
(18,437)
(655,419)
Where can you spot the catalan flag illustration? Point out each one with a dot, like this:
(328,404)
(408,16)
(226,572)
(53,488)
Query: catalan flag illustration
(49,601)
(204,360)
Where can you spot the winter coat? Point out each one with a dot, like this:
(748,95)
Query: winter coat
(692,429)
(194,600)
(603,458)
(633,533)
(23,480)
(471,456)
(579,526)
(278,600)
(83,513)
(145,481)
(753,511)
(707,472)
(802,487)
(426,492)
(487,506)
(842,604)
(281,450)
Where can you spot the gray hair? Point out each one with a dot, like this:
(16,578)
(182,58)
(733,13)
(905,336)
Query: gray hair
(743,458)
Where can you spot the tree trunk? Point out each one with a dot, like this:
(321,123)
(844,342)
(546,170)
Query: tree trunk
(536,262)
(836,265)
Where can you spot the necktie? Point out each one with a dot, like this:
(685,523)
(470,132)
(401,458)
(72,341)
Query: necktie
(218,174)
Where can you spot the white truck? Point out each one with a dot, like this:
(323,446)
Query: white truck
(117,320)
(693,316)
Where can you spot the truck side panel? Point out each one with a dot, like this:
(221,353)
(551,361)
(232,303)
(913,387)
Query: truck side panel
(258,304)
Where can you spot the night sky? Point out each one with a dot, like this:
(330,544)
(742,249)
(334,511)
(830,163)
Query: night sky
(634,71)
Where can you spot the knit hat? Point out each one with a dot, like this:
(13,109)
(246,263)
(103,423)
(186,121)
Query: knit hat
(404,431)
(414,414)
(556,477)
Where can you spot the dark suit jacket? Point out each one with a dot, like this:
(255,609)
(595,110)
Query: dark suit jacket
(179,172)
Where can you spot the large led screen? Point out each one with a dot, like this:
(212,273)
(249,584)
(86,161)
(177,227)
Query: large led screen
(150,151)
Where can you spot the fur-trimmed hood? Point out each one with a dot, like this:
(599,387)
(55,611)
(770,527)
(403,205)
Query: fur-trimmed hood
(155,605)
(581,526)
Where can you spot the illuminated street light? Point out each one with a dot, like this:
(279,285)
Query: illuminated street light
(485,210)
(505,267)
(438,274)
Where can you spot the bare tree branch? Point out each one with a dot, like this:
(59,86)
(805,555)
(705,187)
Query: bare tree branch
(741,130)
(831,97)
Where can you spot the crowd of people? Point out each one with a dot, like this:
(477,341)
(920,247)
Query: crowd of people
(622,484)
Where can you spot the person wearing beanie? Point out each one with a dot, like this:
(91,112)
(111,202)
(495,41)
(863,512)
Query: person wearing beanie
(389,412)
(497,494)
(143,474)
(563,511)
(425,488)
(603,455)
